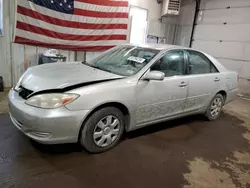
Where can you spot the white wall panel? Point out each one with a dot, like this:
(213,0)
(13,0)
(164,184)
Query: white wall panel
(80,56)
(41,50)
(186,16)
(179,28)
(230,50)
(242,67)
(220,16)
(92,55)
(170,33)
(72,56)
(18,58)
(186,19)
(236,32)
(68,54)
(5,48)
(156,28)
(154,9)
(223,30)
(223,4)
(171,24)
(30,53)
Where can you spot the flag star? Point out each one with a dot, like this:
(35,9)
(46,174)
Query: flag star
(52,1)
(69,6)
(61,4)
(65,1)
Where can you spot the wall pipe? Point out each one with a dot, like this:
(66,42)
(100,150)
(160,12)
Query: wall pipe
(197,7)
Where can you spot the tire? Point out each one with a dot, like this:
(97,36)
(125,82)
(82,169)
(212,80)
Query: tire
(107,126)
(215,107)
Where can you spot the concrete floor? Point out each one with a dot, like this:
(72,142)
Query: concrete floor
(190,152)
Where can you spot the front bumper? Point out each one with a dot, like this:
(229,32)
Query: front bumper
(47,126)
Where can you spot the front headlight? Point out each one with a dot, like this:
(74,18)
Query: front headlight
(51,101)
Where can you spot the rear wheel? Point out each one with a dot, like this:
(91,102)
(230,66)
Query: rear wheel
(215,107)
(103,130)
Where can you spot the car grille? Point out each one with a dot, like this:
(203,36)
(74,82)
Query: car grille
(24,93)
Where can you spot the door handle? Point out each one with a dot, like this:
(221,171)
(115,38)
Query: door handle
(183,84)
(216,79)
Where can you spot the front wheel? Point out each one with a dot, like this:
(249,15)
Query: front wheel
(102,130)
(215,107)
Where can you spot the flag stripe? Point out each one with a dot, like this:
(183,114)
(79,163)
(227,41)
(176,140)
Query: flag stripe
(65,23)
(22,40)
(75,31)
(106,2)
(64,36)
(96,14)
(85,12)
(99,8)
(89,25)
(51,40)
(61,15)
(75,18)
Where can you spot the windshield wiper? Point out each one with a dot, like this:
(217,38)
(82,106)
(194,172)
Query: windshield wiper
(102,69)
(85,63)
(96,67)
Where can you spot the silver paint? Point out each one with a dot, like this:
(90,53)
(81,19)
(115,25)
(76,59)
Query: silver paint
(147,101)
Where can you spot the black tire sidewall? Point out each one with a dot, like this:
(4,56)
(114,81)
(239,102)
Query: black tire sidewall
(86,138)
(208,113)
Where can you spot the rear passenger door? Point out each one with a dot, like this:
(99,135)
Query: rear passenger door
(203,78)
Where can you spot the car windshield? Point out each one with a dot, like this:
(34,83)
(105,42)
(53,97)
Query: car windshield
(124,60)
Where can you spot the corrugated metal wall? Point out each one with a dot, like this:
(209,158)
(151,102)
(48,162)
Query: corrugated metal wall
(185,23)
(27,56)
(5,47)
(15,58)
(179,28)
(223,30)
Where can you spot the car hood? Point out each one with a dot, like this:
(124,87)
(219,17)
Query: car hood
(62,75)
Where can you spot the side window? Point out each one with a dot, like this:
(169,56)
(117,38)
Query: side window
(199,63)
(171,64)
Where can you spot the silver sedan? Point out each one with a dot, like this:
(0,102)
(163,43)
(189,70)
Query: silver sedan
(125,88)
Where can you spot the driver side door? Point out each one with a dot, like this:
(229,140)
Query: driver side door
(158,100)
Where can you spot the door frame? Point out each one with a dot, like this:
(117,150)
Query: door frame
(189,75)
(186,62)
(131,22)
(184,76)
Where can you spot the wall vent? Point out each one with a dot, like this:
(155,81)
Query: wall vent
(171,7)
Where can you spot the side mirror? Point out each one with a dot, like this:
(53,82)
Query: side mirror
(154,75)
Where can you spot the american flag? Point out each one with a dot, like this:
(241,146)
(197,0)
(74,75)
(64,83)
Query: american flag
(90,25)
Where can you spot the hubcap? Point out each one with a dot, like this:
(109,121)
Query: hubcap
(216,107)
(106,131)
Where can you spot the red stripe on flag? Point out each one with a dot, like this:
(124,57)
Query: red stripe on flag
(96,14)
(64,23)
(106,2)
(64,36)
(21,40)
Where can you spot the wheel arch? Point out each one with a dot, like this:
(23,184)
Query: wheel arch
(223,93)
(124,109)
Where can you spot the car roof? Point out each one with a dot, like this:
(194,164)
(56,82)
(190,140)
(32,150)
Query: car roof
(158,46)
(166,47)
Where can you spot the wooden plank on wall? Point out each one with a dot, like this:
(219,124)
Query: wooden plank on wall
(18,61)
